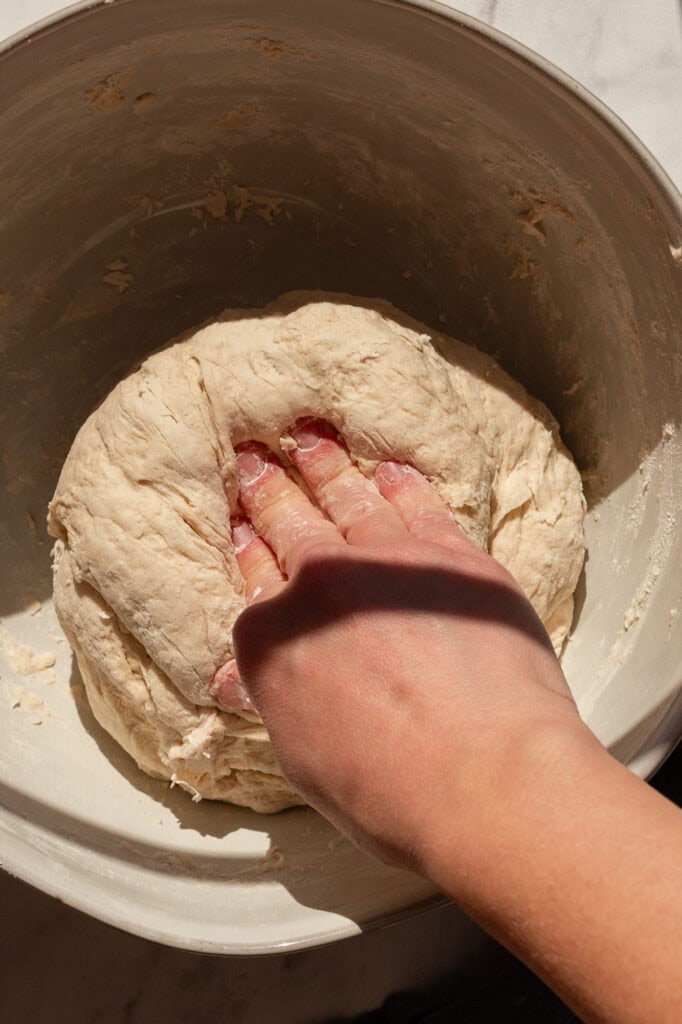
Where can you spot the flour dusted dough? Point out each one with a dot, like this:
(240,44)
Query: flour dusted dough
(146,584)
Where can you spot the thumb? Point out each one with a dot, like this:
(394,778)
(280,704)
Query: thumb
(228,690)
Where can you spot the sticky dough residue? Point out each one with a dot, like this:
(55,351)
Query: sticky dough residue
(23,659)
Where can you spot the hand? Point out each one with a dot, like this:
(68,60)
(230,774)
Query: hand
(414,699)
(392,661)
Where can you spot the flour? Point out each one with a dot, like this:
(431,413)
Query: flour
(24,660)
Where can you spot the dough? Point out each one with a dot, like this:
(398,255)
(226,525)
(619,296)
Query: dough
(146,584)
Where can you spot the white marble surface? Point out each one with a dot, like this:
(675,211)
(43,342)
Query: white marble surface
(65,967)
(627,52)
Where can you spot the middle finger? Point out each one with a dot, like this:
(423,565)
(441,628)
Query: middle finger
(352,501)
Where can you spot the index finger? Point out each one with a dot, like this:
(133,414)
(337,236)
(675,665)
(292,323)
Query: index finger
(280,511)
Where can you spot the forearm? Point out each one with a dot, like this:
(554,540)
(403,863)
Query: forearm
(575,865)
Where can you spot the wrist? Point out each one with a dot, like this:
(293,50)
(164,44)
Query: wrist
(504,806)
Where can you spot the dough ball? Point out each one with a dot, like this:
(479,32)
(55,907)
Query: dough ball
(146,583)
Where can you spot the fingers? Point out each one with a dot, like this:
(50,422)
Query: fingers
(419,505)
(280,511)
(364,515)
(350,500)
(287,527)
(256,561)
(263,578)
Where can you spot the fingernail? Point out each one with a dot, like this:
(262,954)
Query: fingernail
(251,464)
(240,698)
(307,434)
(392,472)
(227,689)
(242,534)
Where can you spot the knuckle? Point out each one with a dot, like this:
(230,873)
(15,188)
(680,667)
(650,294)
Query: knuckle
(487,569)
(311,543)
(366,518)
(263,563)
(316,565)
(436,519)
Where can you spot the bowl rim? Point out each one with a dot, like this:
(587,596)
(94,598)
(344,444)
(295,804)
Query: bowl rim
(25,860)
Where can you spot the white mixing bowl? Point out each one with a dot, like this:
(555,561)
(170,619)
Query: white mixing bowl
(163,160)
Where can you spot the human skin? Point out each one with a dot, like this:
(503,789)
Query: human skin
(413,698)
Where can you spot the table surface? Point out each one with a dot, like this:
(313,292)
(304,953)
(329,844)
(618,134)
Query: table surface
(62,966)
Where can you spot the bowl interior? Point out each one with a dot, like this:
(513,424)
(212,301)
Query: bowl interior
(164,161)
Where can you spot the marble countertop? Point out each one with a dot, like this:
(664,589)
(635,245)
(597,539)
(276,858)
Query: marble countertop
(61,966)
